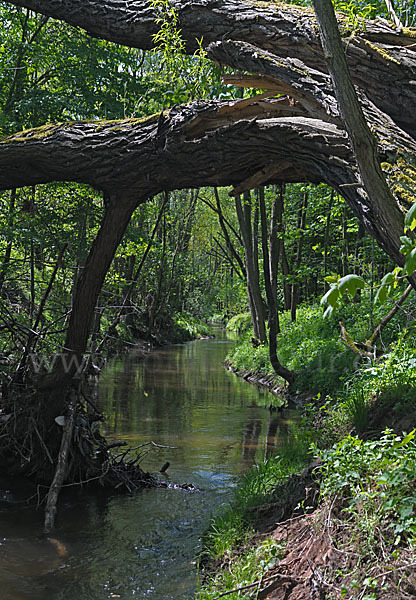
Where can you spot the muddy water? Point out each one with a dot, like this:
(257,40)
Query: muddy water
(144,545)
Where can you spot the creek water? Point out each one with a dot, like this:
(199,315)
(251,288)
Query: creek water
(145,544)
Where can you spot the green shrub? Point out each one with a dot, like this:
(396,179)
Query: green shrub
(248,569)
(375,483)
(191,326)
(240,323)
(394,370)
(247,358)
(312,348)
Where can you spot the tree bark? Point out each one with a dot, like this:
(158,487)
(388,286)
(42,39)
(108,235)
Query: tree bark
(363,141)
(270,262)
(251,255)
(380,56)
(248,142)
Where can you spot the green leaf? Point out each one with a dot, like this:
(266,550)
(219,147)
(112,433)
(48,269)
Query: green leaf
(407,244)
(350,284)
(331,297)
(410,219)
(410,264)
(387,279)
(381,294)
(331,278)
(410,436)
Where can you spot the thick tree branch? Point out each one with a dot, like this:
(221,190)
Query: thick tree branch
(362,139)
(382,59)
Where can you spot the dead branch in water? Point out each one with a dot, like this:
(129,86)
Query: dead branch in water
(51,503)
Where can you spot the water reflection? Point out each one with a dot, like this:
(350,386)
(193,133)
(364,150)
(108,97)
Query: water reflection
(144,545)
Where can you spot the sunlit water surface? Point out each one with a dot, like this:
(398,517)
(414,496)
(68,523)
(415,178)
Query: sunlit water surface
(145,544)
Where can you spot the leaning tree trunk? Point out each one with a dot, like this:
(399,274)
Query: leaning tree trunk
(116,218)
(270,266)
(363,141)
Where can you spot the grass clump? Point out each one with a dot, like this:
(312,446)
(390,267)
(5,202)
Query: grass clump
(240,323)
(190,327)
(257,486)
(246,571)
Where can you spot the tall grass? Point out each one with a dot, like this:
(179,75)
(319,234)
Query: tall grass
(257,486)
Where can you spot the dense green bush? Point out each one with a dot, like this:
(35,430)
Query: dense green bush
(240,323)
(375,483)
(190,327)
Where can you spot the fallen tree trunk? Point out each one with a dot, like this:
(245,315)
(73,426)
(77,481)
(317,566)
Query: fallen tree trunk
(381,57)
(61,467)
(203,144)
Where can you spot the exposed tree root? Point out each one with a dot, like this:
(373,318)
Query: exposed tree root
(67,450)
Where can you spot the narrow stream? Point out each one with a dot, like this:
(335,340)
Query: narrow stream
(144,545)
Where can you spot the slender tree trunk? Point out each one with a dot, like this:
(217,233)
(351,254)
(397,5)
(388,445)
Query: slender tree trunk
(32,280)
(389,316)
(295,285)
(326,237)
(362,139)
(280,208)
(253,283)
(135,278)
(8,252)
(344,244)
(59,477)
(230,246)
(270,262)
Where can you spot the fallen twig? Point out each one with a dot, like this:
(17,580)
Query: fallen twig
(296,580)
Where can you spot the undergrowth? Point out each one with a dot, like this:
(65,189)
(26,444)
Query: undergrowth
(373,485)
(246,574)
(257,486)
(368,508)
(186,324)
(311,346)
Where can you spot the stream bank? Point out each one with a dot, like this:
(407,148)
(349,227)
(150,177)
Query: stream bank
(331,515)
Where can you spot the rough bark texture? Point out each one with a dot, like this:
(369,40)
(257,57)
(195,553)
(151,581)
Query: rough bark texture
(205,143)
(363,141)
(381,57)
